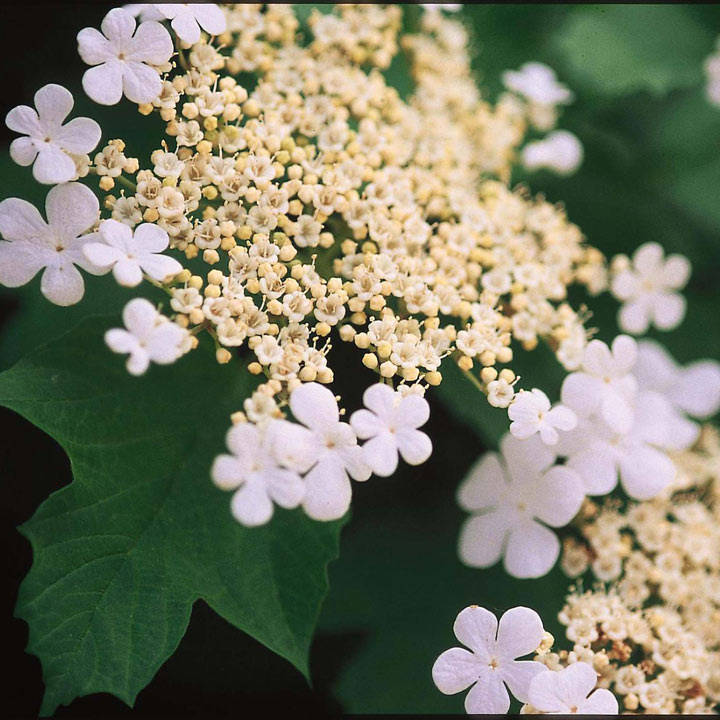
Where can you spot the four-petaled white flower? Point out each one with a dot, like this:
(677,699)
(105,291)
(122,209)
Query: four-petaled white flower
(325,447)
(150,337)
(48,143)
(490,665)
(123,58)
(513,497)
(604,383)
(252,470)
(130,254)
(32,244)
(537,83)
(560,152)
(568,691)
(648,290)
(531,413)
(390,426)
(188,18)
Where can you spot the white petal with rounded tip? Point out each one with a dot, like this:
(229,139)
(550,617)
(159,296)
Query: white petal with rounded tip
(186,27)
(210,17)
(118,24)
(140,316)
(102,255)
(598,359)
(314,406)
(328,491)
(645,471)
(140,82)
(80,136)
(380,399)
(138,362)
(164,343)
(20,261)
(120,341)
(676,272)
(525,458)
(601,702)
(53,103)
(482,539)
(558,496)
(24,119)
(243,440)
(655,369)
(531,551)
(562,418)
(62,284)
(53,166)
(476,628)
(455,670)
(365,424)
(414,446)
(488,696)
(227,472)
(352,459)
(597,467)
(250,505)
(293,445)
(381,454)
(668,310)
(116,234)
(151,238)
(519,674)
(71,209)
(624,350)
(160,267)
(484,485)
(413,411)
(19,220)
(697,390)
(23,151)
(520,632)
(93,46)
(284,487)
(648,258)
(104,83)
(581,392)
(625,285)
(127,272)
(151,44)
(617,412)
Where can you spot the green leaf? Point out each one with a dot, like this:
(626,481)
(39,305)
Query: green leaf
(618,49)
(123,552)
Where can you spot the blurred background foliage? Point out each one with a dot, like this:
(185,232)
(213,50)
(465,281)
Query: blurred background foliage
(651,173)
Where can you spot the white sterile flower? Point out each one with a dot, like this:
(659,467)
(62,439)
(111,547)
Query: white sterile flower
(253,471)
(389,424)
(513,496)
(538,83)
(604,383)
(531,413)
(123,58)
(569,691)
(188,18)
(129,253)
(327,448)
(490,666)
(150,337)
(32,244)
(599,454)
(560,152)
(648,290)
(48,143)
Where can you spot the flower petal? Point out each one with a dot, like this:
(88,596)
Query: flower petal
(24,119)
(557,497)
(19,220)
(519,674)
(488,696)
(525,459)
(601,702)
(210,17)
(455,670)
(380,399)
(314,406)
(160,267)
(53,166)
(141,83)
(645,471)
(648,259)
(676,272)
(227,471)
(484,485)
(101,255)
(381,454)
(597,466)
(186,27)
(581,392)
(415,446)
(365,424)
(120,341)
(140,316)
(531,551)
(118,24)
(62,284)
(151,238)
(94,47)
(104,83)
(80,136)
(163,345)
(127,272)
(250,505)
(668,310)
(697,390)
(413,411)
(151,44)
(23,151)
(520,632)
(53,103)
(482,538)
(476,628)
(285,487)
(328,491)
(71,209)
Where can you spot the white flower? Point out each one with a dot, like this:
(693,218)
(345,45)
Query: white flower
(490,665)
(530,413)
(599,454)
(537,83)
(567,691)
(648,288)
(448,7)
(327,448)
(49,143)
(150,336)
(253,471)
(56,245)
(130,254)
(500,393)
(693,390)
(391,423)
(188,18)
(123,57)
(604,383)
(560,151)
(512,495)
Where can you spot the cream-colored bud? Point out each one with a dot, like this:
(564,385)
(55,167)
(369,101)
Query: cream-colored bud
(388,369)
(369,360)
(223,356)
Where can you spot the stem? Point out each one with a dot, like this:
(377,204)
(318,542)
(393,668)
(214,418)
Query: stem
(129,184)
(474,381)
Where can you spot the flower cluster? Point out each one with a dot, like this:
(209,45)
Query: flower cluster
(653,636)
